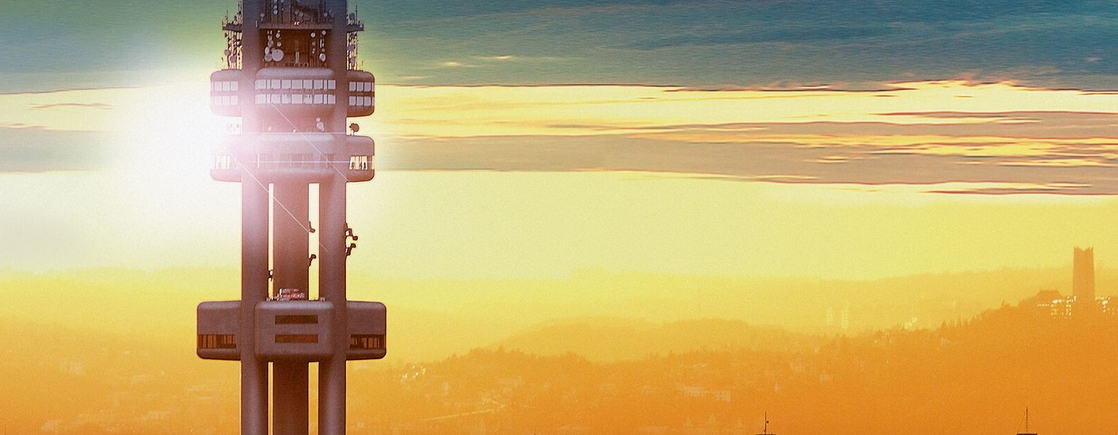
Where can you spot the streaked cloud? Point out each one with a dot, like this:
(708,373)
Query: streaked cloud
(82,105)
(456,64)
(1022,139)
(1030,140)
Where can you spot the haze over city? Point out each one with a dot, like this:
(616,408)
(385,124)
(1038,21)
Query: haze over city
(619,216)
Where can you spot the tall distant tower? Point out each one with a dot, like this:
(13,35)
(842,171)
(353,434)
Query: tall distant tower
(292,77)
(1083,275)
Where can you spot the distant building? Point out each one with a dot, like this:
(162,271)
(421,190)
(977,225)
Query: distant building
(1108,305)
(1082,301)
(1083,275)
(1053,303)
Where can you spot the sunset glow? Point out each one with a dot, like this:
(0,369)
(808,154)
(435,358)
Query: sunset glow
(622,217)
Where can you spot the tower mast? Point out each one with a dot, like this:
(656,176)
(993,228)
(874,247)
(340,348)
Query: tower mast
(291,77)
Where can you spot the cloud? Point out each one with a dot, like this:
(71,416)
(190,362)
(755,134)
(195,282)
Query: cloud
(924,133)
(1055,142)
(39,150)
(101,106)
(691,43)
(752,43)
(798,34)
(500,58)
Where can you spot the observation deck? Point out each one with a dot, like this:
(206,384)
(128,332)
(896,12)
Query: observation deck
(309,156)
(291,330)
(292,91)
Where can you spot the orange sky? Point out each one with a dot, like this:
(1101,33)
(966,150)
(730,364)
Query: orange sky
(799,217)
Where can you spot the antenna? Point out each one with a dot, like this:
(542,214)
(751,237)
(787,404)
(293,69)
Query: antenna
(1026,432)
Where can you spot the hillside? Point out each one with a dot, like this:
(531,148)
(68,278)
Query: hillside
(975,376)
(612,339)
(969,377)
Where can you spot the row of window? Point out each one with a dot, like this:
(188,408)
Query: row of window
(361,163)
(226,100)
(366,342)
(217,341)
(361,86)
(360,101)
(225,86)
(296,84)
(356,163)
(225,162)
(329,99)
(296,99)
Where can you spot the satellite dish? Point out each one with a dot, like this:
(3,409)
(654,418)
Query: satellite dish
(322,57)
(312,34)
(277,55)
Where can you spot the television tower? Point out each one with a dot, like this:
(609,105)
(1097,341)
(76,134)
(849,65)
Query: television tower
(291,75)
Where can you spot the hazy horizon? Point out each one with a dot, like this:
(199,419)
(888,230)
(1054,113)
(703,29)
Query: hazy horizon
(624,217)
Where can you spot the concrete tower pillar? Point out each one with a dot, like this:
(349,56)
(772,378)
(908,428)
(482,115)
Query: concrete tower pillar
(332,286)
(292,93)
(291,238)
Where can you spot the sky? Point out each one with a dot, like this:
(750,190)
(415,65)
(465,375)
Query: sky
(839,139)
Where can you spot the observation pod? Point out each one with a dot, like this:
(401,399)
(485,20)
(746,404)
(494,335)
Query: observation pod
(292,76)
(292,330)
(293,92)
(314,157)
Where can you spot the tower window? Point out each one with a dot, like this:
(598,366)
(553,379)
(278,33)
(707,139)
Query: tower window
(366,342)
(217,341)
(296,320)
(296,338)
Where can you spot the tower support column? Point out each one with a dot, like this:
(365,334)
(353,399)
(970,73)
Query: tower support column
(332,286)
(254,289)
(291,391)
